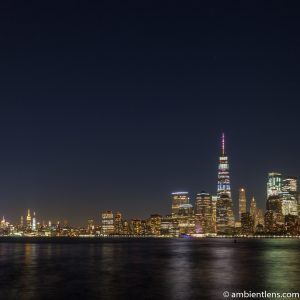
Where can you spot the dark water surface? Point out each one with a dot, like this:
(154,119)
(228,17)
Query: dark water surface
(147,268)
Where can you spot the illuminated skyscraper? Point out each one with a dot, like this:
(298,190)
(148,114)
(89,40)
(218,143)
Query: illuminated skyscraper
(214,213)
(179,199)
(118,223)
(252,207)
(284,189)
(224,206)
(203,212)
(289,196)
(91,226)
(3,223)
(33,222)
(108,223)
(274,184)
(28,220)
(289,184)
(242,202)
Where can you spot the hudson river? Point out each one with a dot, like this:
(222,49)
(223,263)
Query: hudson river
(147,268)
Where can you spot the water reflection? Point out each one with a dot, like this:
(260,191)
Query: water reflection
(281,263)
(147,269)
(179,270)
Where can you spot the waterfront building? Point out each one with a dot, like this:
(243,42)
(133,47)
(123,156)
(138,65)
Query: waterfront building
(178,199)
(269,221)
(186,219)
(137,228)
(203,213)
(291,224)
(28,220)
(242,202)
(126,227)
(258,220)
(107,223)
(22,222)
(33,222)
(3,223)
(169,226)
(246,223)
(224,206)
(289,196)
(155,224)
(214,213)
(252,207)
(118,223)
(91,227)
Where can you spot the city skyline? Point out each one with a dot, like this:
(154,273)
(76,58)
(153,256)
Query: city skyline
(275,185)
(119,105)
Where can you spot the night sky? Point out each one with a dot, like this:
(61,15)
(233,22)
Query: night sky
(113,106)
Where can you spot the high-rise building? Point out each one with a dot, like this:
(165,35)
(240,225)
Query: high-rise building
(137,226)
(169,226)
(291,224)
(289,196)
(3,223)
(107,227)
(91,226)
(179,199)
(269,221)
(246,223)
(224,206)
(203,213)
(242,202)
(274,184)
(28,220)
(33,222)
(274,204)
(258,220)
(289,204)
(284,189)
(252,207)
(155,222)
(118,223)
(214,213)
(289,184)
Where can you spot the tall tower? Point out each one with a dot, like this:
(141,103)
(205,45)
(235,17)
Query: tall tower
(224,206)
(242,202)
(22,222)
(223,172)
(28,220)
(252,207)
(33,222)
(289,196)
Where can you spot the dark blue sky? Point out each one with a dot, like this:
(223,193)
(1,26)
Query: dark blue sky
(114,106)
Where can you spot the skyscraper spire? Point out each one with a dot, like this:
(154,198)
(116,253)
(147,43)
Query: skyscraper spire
(223,172)
(224,205)
(223,144)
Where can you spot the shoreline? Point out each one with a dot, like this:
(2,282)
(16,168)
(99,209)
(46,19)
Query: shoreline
(99,239)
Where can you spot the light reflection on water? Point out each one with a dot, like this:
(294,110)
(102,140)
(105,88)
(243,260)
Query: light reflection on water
(147,268)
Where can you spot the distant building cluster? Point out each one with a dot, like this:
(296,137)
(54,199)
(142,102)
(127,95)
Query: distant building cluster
(206,215)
